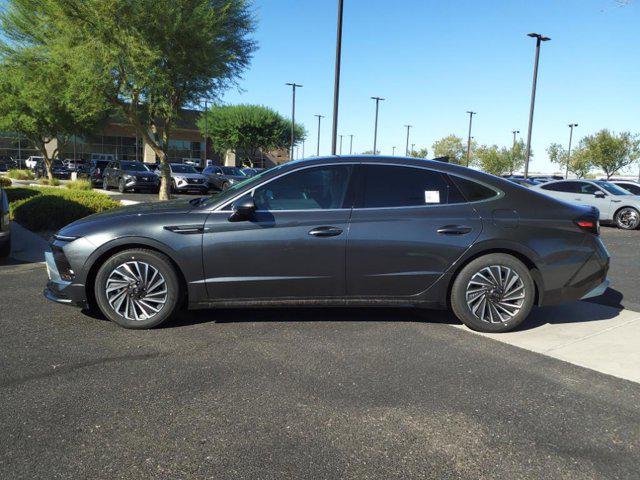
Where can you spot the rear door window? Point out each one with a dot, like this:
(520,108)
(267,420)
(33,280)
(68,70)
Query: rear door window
(399,186)
(566,187)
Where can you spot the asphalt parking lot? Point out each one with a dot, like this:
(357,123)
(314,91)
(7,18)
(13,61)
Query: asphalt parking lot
(301,393)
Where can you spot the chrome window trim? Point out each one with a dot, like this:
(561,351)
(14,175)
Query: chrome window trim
(499,193)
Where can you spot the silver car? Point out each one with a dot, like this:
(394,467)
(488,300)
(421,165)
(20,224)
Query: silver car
(615,204)
(185,178)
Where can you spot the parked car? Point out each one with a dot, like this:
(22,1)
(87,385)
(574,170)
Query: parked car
(5,225)
(33,161)
(185,178)
(95,169)
(614,203)
(128,175)
(251,171)
(58,170)
(330,231)
(221,177)
(629,185)
(525,182)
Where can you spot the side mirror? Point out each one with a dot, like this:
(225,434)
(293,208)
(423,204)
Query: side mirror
(599,195)
(243,209)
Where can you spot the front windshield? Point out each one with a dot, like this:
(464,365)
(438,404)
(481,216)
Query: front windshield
(235,171)
(233,189)
(181,168)
(612,189)
(134,166)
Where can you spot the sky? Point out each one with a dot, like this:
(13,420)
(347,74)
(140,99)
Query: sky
(434,60)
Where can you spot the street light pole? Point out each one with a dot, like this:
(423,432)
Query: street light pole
(393,151)
(571,126)
(293,116)
(406,148)
(340,143)
(351,145)
(375,128)
(513,150)
(539,39)
(336,85)
(320,117)
(206,133)
(471,114)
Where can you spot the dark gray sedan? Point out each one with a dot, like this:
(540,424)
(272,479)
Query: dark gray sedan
(351,231)
(222,177)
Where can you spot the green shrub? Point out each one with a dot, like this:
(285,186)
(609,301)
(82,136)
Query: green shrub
(5,182)
(15,194)
(53,208)
(45,181)
(21,174)
(79,185)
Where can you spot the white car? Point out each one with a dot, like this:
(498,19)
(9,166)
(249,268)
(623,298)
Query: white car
(614,203)
(629,185)
(32,162)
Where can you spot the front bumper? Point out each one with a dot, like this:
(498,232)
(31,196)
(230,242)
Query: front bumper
(192,187)
(59,290)
(138,183)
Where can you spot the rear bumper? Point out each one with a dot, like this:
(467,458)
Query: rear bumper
(599,290)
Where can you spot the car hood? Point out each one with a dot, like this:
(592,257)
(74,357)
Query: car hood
(128,213)
(188,175)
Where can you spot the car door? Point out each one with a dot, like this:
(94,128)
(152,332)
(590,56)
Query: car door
(291,247)
(409,225)
(590,194)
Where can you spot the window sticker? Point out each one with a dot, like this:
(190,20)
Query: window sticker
(431,196)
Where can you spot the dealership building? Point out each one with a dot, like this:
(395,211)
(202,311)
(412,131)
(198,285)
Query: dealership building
(118,140)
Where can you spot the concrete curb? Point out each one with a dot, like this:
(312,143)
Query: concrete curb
(26,246)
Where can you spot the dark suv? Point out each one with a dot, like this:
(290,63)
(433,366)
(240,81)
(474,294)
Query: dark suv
(58,169)
(94,170)
(127,175)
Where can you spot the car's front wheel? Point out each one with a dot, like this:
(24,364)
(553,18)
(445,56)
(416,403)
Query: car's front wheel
(121,186)
(627,218)
(493,293)
(105,184)
(138,288)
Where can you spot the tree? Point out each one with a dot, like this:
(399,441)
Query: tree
(517,154)
(150,58)
(610,152)
(579,163)
(422,153)
(453,147)
(248,129)
(493,160)
(39,101)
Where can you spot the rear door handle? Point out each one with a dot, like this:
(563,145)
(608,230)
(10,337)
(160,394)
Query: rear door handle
(454,230)
(325,231)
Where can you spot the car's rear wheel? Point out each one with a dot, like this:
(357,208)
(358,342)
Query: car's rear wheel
(5,248)
(138,288)
(627,218)
(493,293)
(225,186)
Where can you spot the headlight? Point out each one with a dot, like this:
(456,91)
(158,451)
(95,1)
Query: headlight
(180,179)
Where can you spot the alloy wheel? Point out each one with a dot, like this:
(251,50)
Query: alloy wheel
(628,218)
(136,290)
(495,294)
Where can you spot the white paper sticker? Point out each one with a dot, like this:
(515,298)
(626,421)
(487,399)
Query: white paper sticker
(431,196)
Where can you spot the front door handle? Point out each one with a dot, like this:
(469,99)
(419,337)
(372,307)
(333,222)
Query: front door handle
(325,231)
(454,230)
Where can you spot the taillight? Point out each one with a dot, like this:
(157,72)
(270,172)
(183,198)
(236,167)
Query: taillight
(590,225)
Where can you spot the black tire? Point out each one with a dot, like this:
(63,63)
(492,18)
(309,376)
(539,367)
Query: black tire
(105,184)
(501,263)
(627,218)
(5,248)
(163,266)
(225,186)
(121,186)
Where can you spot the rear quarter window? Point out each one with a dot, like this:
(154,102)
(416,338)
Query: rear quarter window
(473,191)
